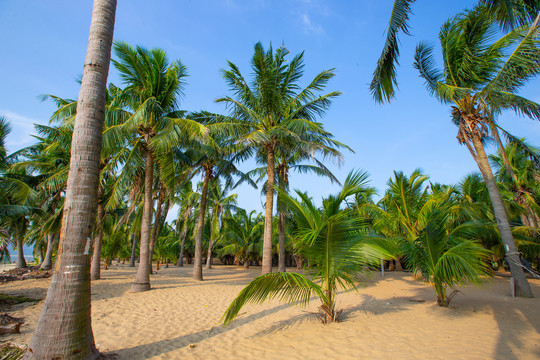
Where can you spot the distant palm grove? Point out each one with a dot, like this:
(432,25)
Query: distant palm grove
(154,157)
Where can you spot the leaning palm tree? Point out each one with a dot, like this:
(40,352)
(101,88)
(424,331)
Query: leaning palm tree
(273,109)
(336,246)
(64,328)
(480,78)
(508,14)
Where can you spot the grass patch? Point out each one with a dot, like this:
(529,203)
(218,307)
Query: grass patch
(14,299)
(11,352)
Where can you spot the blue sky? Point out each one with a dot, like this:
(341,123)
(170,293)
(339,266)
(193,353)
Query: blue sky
(44,43)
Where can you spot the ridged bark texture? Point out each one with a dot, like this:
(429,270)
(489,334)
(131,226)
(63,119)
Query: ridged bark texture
(267,244)
(210,244)
(64,330)
(523,289)
(95,268)
(142,278)
(197,264)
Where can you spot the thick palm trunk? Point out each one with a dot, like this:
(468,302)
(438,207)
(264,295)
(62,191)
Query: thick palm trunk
(267,244)
(95,268)
(523,288)
(64,329)
(21,261)
(197,264)
(133,250)
(142,279)
(47,260)
(155,230)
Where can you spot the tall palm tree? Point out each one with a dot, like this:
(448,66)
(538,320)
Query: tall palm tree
(335,245)
(64,327)
(274,109)
(155,129)
(480,78)
(509,14)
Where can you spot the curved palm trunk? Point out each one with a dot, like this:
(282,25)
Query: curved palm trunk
(47,260)
(267,244)
(197,264)
(21,261)
(95,271)
(155,230)
(523,288)
(133,250)
(142,279)
(64,329)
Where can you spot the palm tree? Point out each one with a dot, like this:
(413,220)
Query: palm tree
(64,327)
(335,245)
(155,129)
(444,253)
(188,201)
(509,14)
(242,233)
(220,202)
(521,182)
(481,79)
(275,110)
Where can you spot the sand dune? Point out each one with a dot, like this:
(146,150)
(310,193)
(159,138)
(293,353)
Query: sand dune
(391,317)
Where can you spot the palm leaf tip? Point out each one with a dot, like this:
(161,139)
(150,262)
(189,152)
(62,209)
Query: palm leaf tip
(292,288)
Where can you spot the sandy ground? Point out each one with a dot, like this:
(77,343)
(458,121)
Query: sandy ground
(391,317)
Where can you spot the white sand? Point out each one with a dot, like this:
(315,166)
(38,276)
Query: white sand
(384,320)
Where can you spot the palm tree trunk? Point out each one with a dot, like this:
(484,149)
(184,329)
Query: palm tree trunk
(133,250)
(64,329)
(155,230)
(267,244)
(210,244)
(281,224)
(183,237)
(21,262)
(197,265)
(523,288)
(47,260)
(142,279)
(95,272)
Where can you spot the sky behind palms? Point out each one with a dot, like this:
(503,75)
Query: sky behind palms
(44,44)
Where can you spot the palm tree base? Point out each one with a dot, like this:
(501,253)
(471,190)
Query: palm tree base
(140,287)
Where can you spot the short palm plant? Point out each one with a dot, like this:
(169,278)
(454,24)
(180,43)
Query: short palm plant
(444,254)
(334,244)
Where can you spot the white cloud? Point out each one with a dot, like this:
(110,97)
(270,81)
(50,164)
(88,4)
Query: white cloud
(22,127)
(310,27)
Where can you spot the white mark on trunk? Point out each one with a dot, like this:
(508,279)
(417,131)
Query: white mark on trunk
(88,244)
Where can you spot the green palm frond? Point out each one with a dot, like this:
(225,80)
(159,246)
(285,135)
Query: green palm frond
(292,288)
(384,80)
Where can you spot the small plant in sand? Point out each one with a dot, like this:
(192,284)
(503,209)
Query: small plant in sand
(335,246)
(443,254)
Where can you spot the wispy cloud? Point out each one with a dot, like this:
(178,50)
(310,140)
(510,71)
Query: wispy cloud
(22,127)
(309,26)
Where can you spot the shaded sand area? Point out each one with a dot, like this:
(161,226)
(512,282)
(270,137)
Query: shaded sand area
(392,317)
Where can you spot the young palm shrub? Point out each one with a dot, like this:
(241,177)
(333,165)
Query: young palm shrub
(336,247)
(444,254)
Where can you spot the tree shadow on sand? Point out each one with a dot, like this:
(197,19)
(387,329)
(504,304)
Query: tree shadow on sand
(160,347)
